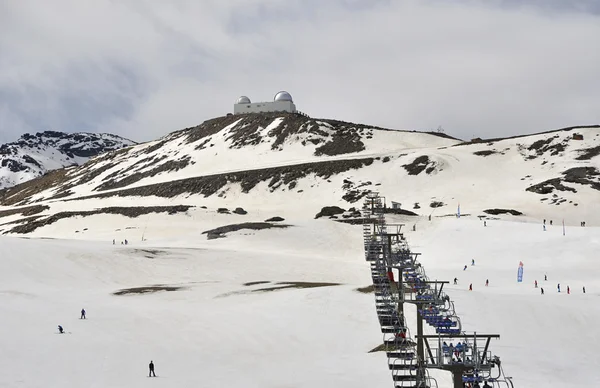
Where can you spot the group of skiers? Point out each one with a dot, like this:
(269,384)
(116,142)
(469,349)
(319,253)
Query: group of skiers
(535,283)
(61,330)
(124,242)
(151,373)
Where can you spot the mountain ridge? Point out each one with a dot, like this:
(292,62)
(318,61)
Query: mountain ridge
(265,162)
(33,155)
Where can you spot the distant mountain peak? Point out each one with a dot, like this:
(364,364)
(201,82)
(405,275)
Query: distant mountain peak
(33,155)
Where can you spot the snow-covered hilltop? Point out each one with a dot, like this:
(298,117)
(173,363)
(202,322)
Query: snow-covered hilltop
(33,155)
(269,161)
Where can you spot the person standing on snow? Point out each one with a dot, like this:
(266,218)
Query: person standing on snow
(542,289)
(535,284)
(487,282)
(151,372)
(546,277)
(568,290)
(456,281)
(82,314)
(584,289)
(471,287)
(558,286)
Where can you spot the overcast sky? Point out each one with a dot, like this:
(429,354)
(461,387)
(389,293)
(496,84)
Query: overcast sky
(141,69)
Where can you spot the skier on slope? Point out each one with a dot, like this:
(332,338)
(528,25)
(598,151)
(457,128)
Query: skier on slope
(558,286)
(471,287)
(472,261)
(82,314)
(542,290)
(546,277)
(487,282)
(60,329)
(464,269)
(455,281)
(568,290)
(151,367)
(535,284)
(584,289)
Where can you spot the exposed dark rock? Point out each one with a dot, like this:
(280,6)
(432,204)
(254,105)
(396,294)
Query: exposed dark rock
(222,230)
(399,211)
(275,219)
(588,153)
(223,210)
(329,211)
(503,211)
(33,224)
(484,153)
(25,211)
(549,186)
(240,211)
(419,165)
(147,289)
(435,204)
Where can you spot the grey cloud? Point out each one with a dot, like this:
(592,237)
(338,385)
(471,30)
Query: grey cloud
(143,69)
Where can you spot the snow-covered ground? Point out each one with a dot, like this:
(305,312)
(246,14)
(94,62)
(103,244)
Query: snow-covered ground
(218,332)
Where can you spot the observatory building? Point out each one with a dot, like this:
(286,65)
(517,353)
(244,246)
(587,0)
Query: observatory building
(282,102)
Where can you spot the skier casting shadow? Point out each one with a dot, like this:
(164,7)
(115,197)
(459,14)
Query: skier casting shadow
(82,314)
(151,372)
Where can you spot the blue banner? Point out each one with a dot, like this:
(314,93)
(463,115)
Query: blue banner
(520,274)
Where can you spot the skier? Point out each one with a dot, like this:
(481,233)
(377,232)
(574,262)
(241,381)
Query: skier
(535,284)
(151,372)
(60,329)
(125,241)
(546,277)
(82,314)
(464,269)
(487,282)
(484,223)
(542,290)
(544,221)
(544,228)
(568,290)
(456,281)
(472,261)
(584,289)
(113,241)
(550,222)
(471,287)
(558,287)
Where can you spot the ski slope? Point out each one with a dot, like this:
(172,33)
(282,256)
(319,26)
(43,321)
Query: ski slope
(217,332)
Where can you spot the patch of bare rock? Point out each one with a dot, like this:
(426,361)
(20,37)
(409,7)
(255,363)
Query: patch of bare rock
(221,231)
(30,224)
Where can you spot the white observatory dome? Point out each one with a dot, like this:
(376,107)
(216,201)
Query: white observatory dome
(243,100)
(283,96)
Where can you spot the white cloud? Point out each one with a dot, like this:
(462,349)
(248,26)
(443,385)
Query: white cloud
(144,69)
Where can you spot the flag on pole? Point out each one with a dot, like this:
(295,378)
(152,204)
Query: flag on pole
(520,272)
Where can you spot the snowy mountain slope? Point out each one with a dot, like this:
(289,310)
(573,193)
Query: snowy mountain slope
(254,163)
(33,155)
(237,143)
(220,329)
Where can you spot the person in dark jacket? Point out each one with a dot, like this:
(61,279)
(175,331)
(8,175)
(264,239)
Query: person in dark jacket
(151,366)
(60,329)
(82,314)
